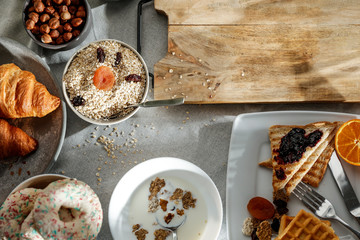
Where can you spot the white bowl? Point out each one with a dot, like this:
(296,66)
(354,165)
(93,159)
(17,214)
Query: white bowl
(39,181)
(135,181)
(101,121)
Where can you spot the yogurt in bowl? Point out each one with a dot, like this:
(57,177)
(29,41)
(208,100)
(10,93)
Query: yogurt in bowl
(103,79)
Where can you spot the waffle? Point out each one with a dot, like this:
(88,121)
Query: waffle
(306,226)
(288,170)
(285,221)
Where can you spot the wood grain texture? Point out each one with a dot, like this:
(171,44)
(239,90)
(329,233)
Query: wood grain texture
(275,51)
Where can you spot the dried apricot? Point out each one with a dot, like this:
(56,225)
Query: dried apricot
(260,208)
(104,78)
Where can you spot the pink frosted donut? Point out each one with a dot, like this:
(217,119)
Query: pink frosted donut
(76,196)
(14,211)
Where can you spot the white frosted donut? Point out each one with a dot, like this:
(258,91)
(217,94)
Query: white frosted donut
(74,195)
(28,231)
(14,211)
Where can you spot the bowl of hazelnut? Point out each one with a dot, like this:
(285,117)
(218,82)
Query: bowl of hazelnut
(57,24)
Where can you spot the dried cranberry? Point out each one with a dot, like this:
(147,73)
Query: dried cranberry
(78,101)
(280,174)
(275,225)
(100,55)
(282,211)
(253,235)
(133,77)
(118,58)
(280,203)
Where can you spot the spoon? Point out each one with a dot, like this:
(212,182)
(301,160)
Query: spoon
(153,103)
(174,228)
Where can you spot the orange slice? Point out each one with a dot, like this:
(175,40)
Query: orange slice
(347,142)
(104,78)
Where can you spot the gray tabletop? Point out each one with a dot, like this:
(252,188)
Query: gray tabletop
(196,133)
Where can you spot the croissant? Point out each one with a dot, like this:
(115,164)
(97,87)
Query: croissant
(14,141)
(22,96)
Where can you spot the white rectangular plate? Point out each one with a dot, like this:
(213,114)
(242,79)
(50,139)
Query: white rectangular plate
(250,145)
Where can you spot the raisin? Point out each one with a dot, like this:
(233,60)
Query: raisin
(253,235)
(275,225)
(100,55)
(118,58)
(282,210)
(280,203)
(78,101)
(133,77)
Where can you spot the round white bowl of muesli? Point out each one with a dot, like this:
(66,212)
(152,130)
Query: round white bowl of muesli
(102,79)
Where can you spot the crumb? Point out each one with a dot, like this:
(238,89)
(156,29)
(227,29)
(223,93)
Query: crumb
(188,200)
(161,234)
(168,218)
(180,212)
(178,194)
(156,186)
(136,227)
(141,234)
(264,231)
(163,204)
(153,205)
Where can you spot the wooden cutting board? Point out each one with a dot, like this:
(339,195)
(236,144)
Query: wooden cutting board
(251,51)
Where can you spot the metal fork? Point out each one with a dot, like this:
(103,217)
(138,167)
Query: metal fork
(319,205)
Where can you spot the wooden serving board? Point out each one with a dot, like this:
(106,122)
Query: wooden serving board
(251,51)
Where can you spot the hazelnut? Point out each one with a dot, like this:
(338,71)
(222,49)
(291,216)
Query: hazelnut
(76,22)
(60,29)
(44,18)
(54,34)
(65,16)
(81,14)
(56,15)
(45,38)
(58,1)
(34,16)
(67,36)
(35,30)
(54,23)
(67,2)
(30,24)
(44,28)
(39,6)
(67,27)
(76,33)
(63,8)
(50,9)
(60,40)
(81,8)
(31,9)
(72,9)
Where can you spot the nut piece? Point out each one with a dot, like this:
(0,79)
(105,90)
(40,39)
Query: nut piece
(44,18)
(72,9)
(76,22)
(60,40)
(54,34)
(39,6)
(35,30)
(58,1)
(44,28)
(76,33)
(48,2)
(80,13)
(60,29)
(34,16)
(56,15)
(67,2)
(45,38)
(67,27)
(54,23)
(63,8)
(50,9)
(65,16)
(30,24)
(67,36)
